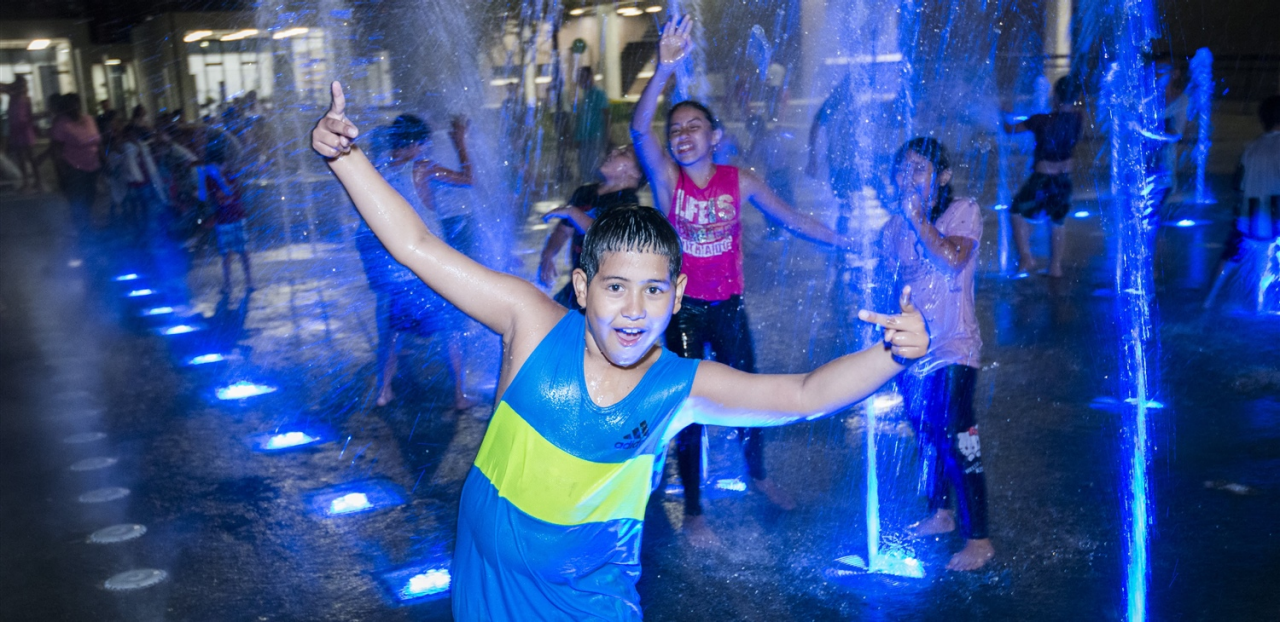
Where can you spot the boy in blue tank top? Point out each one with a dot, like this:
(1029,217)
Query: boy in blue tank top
(552,511)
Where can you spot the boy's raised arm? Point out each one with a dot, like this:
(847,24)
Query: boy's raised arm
(673,45)
(725,396)
(492,298)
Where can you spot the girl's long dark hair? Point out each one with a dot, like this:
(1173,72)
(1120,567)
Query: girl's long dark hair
(933,151)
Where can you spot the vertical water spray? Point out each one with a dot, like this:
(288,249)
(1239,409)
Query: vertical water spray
(691,75)
(1135,127)
(1202,103)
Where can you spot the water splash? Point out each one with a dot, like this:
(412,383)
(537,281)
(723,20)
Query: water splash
(1202,105)
(1135,107)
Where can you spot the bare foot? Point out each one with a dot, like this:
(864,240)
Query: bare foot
(386,395)
(941,522)
(974,555)
(775,493)
(700,534)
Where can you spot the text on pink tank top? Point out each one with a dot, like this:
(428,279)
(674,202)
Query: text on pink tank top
(709,223)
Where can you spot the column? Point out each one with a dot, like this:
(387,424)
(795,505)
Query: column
(1057,39)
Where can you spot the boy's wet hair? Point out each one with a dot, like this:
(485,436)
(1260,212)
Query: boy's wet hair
(696,105)
(632,228)
(406,131)
(932,150)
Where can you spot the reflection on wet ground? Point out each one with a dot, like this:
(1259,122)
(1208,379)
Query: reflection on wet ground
(131,492)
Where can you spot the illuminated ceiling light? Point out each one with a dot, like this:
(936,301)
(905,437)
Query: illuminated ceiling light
(292,32)
(38,44)
(204,44)
(653,9)
(240,34)
(112,61)
(576,12)
(630,12)
(542,80)
(196,35)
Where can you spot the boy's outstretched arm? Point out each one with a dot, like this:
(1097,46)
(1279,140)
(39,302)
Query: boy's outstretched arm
(661,170)
(725,396)
(492,298)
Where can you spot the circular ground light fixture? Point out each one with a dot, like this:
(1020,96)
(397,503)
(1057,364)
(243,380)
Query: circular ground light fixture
(84,437)
(93,464)
(103,495)
(117,533)
(135,579)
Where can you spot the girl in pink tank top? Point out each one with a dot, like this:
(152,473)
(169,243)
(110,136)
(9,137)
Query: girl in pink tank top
(704,203)
(709,222)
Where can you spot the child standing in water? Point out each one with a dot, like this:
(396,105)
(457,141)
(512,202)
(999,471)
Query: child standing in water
(552,511)
(931,244)
(622,178)
(403,303)
(1048,190)
(704,202)
(219,187)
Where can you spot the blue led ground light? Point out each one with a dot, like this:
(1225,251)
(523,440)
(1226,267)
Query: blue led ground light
(418,583)
(205,359)
(354,498)
(243,390)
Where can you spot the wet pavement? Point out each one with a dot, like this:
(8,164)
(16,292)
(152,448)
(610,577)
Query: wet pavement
(234,532)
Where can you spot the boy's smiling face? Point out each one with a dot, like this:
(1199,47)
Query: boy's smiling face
(628,304)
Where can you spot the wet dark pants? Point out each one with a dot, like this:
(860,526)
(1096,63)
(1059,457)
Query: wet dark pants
(941,408)
(81,189)
(722,328)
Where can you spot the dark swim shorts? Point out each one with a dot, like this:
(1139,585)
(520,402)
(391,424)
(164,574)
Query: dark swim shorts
(1049,194)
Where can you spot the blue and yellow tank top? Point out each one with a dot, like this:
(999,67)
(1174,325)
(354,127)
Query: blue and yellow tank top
(552,510)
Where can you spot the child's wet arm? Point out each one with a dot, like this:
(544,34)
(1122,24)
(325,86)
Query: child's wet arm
(728,397)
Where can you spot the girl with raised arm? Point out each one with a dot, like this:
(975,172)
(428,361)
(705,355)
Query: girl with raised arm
(704,202)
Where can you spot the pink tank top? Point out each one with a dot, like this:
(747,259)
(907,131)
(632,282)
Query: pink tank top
(709,223)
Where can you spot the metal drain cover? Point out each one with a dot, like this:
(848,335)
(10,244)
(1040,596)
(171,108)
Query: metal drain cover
(135,579)
(102,495)
(117,533)
(84,437)
(93,464)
